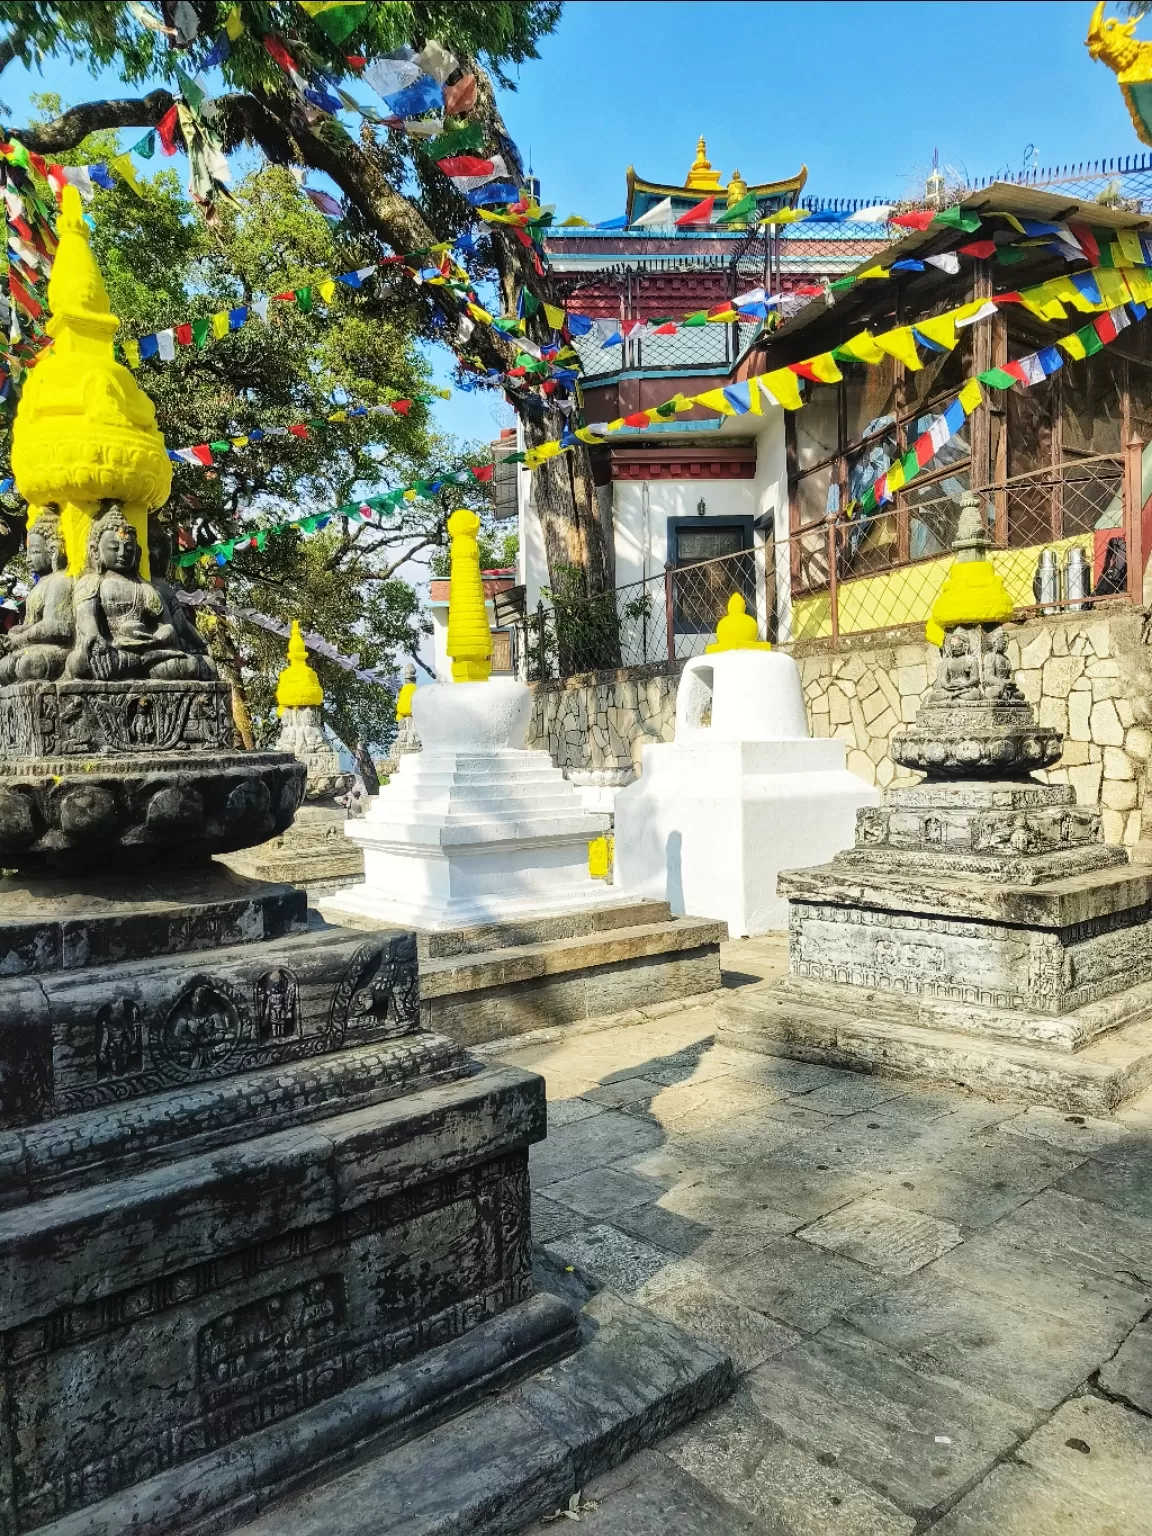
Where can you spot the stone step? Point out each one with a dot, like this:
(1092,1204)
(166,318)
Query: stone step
(625,913)
(1090,1081)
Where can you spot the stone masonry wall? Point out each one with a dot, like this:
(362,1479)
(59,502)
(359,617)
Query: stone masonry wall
(1089,675)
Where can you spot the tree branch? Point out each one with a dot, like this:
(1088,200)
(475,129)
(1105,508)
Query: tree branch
(71,127)
(386,575)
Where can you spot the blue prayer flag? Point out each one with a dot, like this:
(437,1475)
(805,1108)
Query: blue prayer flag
(954,417)
(149,346)
(423,95)
(494,192)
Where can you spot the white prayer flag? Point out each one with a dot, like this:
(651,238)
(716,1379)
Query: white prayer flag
(660,214)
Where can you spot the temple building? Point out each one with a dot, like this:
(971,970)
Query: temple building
(784,493)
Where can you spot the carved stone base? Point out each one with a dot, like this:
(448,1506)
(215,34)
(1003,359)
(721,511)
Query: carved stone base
(236,1182)
(982,739)
(313,853)
(143,808)
(90,719)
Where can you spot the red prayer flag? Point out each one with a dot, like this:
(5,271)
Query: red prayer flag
(459,99)
(184,334)
(1105,327)
(38,163)
(288,296)
(23,229)
(277,51)
(807,291)
(32,306)
(483,471)
(637,419)
(701,214)
(666,330)
(298,430)
(919,220)
(466,165)
(805,371)
(1015,370)
(166,128)
(355,60)
(922,447)
(549,386)
(981,249)
(402,407)
(1087,243)
(203,453)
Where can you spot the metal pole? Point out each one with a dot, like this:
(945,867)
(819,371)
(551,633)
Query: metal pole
(833,581)
(1134,517)
(541,664)
(669,611)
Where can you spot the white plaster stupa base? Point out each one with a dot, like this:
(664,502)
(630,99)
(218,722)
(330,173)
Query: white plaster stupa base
(710,824)
(467,836)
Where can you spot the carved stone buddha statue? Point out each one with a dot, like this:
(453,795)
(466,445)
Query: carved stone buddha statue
(123,628)
(38,649)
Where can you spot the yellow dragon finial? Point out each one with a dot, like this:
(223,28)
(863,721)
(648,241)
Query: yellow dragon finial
(1130,60)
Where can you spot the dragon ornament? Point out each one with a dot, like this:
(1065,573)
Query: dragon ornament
(1111,42)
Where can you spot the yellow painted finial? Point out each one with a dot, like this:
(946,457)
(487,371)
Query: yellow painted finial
(973,592)
(469,638)
(298,687)
(404,701)
(701,176)
(737,631)
(84,430)
(737,189)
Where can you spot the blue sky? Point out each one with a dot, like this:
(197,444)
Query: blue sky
(860,93)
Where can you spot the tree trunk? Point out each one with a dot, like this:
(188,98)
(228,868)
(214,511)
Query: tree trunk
(351,741)
(222,648)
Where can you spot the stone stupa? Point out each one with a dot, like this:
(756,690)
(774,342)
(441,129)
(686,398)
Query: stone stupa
(980,931)
(313,852)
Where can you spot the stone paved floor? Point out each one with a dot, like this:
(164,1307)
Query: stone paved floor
(937,1305)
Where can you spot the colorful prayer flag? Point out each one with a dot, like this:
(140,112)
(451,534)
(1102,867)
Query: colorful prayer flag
(700,214)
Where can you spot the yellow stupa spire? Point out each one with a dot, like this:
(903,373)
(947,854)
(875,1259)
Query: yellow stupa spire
(701,176)
(298,687)
(404,701)
(469,638)
(737,189)
(84,430)
(973,592)
(737,632)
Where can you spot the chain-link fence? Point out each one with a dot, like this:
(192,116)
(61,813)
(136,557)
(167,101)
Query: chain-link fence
(1064,538)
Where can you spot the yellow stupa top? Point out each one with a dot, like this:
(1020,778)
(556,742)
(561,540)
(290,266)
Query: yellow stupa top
(298,687)
(737,632)
(469,638)
(404,701)
(737,188)
(701,176)
(973,592)
(84,429)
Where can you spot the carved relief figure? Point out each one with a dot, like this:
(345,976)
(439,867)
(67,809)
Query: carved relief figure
(175,613)
(202,1028)
(119,1039)
(999,683)
(122,628)
(38,649)
(277,996)
(958,677)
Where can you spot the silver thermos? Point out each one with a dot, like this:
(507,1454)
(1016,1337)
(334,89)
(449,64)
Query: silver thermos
(1077,575)
(1046,582)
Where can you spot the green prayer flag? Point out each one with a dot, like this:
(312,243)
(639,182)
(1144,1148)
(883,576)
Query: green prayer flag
(304,300)
(335,18)
(529,300)
(667,409)
(911,466)
(956,218)
(201,330)
(740,210)
(261,539)
(145,147)
(662,320)
(1105,248)
(699,318)
(1008,255)
(18,154)
(1089,339)
(222,446)
(997,378)
(191,90)
(460,140)
(841,283)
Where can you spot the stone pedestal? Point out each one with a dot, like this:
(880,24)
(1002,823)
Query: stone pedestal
(236,1183)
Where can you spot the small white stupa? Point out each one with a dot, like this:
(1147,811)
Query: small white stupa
(474,828)
(743,792)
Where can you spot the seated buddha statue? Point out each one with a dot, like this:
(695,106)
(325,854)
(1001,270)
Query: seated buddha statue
(122,625)
(37,650)
(175,613)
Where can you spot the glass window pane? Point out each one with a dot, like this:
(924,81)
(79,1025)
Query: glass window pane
(707,543)
(1091,405)
(870,397)
(812,493)
(943,373)
(866,466)
(954,450)
(816,425)
(934,513)
(1030,419)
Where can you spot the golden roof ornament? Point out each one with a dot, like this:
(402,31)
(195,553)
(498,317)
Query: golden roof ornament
(737,189)
(84,431)
(701,176)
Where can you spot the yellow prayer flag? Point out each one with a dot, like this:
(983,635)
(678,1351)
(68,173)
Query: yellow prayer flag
(574,221)
(614,426)
(587,437)
(863,348)
(786,216)
(541,454)
(239,442)
(1064,289)
(941,329)
(326,289)
(971,396)
(1073,346)
(122,165)
(338,416)
(782,387)
(131,353)
(1118,255)
(896,475)
(714,400)
(1113,288)
(900,345)
(555,316)
(233,25)
(220,323)
(1130,245)
(873,272)
(1139,285)
(479,313)
(754,405)
(823,365)
(723,318)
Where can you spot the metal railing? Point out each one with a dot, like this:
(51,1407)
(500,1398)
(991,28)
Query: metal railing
(1065,538)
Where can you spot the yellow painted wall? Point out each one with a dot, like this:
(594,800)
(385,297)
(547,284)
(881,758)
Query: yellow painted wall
(905,596)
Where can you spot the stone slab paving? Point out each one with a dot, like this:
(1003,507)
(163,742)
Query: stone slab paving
(939,1306)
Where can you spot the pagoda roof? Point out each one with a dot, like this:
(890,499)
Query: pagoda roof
(769,195)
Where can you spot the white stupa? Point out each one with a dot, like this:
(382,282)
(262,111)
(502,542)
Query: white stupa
(474,828)
(743,792)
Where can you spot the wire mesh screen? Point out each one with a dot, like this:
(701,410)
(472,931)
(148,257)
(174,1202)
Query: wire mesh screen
(1058,543)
